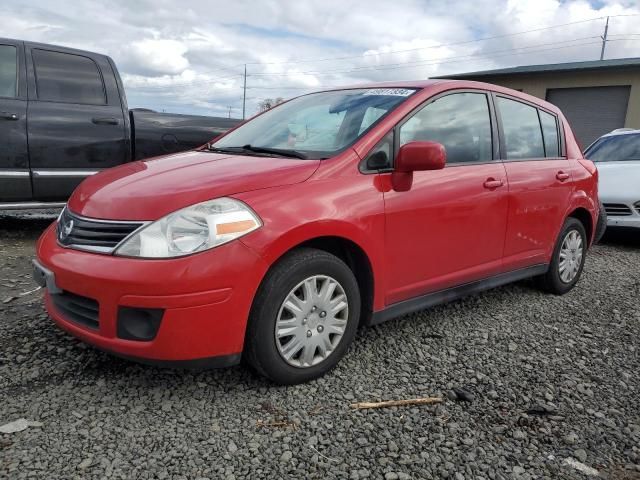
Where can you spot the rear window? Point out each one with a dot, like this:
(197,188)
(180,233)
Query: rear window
(521,126)
(618,148)
(8,71)
(64,77)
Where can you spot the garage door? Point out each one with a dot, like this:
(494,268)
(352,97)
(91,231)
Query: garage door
(592,111)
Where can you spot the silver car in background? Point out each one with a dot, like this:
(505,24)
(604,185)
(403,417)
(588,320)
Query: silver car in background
(617,156)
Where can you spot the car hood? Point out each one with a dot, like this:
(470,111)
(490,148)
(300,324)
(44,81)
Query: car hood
(619,181)
(148,190)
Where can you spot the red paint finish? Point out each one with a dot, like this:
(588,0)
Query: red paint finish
(421,231)
(207,298)
(537,207)
(447,229)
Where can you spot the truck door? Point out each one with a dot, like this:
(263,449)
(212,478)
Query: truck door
(15,184)
(76,119)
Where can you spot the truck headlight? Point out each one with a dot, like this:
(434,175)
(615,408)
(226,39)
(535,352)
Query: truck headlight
(193,229)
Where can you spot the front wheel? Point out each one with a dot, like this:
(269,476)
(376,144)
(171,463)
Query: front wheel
(304,317)
(568,259)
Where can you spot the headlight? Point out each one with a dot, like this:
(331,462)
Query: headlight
(193,229)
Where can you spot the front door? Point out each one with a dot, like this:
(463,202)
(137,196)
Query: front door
(448,227)
(15,184)
(74,129)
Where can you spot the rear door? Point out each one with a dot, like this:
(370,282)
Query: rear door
(447,227)
(540,181)
(15,184)
(76,120)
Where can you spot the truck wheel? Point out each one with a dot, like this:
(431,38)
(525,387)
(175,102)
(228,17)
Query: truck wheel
(568,259)
(304,317)
(601,226)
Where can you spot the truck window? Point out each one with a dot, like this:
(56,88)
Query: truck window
(8,71)
(64,77)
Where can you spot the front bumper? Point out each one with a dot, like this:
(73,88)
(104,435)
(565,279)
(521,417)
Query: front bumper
(621,212)
(205,300)
(632,221)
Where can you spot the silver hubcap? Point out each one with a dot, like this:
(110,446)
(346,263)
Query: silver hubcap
(570,256)
(311,321)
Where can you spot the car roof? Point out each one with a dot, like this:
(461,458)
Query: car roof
(453,84)
(621,131)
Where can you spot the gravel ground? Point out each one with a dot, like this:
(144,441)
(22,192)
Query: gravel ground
(548,378)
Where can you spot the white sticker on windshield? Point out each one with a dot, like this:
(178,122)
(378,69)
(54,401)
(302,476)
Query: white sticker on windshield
(396,92)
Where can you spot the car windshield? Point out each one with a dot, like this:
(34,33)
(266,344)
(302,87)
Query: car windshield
(317,125)
(617,148)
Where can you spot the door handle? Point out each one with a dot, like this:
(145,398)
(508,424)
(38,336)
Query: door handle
(8,116)
(562,176)
(105,121)
(491,183)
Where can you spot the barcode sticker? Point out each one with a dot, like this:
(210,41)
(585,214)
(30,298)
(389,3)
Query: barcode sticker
(396,92)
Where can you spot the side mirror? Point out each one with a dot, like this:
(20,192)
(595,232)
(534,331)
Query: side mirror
(416,156)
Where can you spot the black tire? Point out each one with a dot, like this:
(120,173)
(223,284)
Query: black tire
(551,281)
(261,351)
(601,226)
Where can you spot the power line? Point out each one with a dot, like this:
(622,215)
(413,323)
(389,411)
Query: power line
(440,45)
(390,66)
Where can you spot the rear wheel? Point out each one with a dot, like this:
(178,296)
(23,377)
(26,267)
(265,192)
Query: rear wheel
(304,317)
(568,259)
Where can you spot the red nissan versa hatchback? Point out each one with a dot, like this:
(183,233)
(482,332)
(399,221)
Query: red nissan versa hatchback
(335,209)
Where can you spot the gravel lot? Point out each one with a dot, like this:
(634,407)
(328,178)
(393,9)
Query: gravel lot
(572,362)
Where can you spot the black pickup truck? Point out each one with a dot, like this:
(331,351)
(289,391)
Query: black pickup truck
(64,116)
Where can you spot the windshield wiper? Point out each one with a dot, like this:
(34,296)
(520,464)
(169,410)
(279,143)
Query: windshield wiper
(234,150)
(276,151)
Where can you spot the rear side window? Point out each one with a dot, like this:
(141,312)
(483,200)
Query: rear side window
(8,71)
(522,132)
(64,77)
(550,132)
(460,121)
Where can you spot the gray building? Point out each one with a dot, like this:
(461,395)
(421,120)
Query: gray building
(596,97)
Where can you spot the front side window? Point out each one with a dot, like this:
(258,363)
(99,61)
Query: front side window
(460,121)
(550,132)
(617,148)
(317,125)
(63,77)
(522,132)
(8,71)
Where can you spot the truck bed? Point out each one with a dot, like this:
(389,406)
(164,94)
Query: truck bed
(156,133)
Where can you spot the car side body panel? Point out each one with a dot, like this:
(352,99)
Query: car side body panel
(428,236)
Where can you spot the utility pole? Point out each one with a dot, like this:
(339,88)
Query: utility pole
(604,39)
(229,107)
(244,92)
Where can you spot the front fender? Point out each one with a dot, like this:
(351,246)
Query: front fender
(350,208)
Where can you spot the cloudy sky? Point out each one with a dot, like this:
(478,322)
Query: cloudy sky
(188,56)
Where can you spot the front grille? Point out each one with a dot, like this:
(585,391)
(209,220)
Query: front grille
(617,209)
(94,235)
(81,310)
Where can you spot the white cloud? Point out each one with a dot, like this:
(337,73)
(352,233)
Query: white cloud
(159,56)
(189,56)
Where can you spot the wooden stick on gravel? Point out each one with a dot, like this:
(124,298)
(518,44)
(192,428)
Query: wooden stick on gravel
(397,403)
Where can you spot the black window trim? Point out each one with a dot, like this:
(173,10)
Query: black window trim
(17,94)
(503,148)
(35,74)
(362,167)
